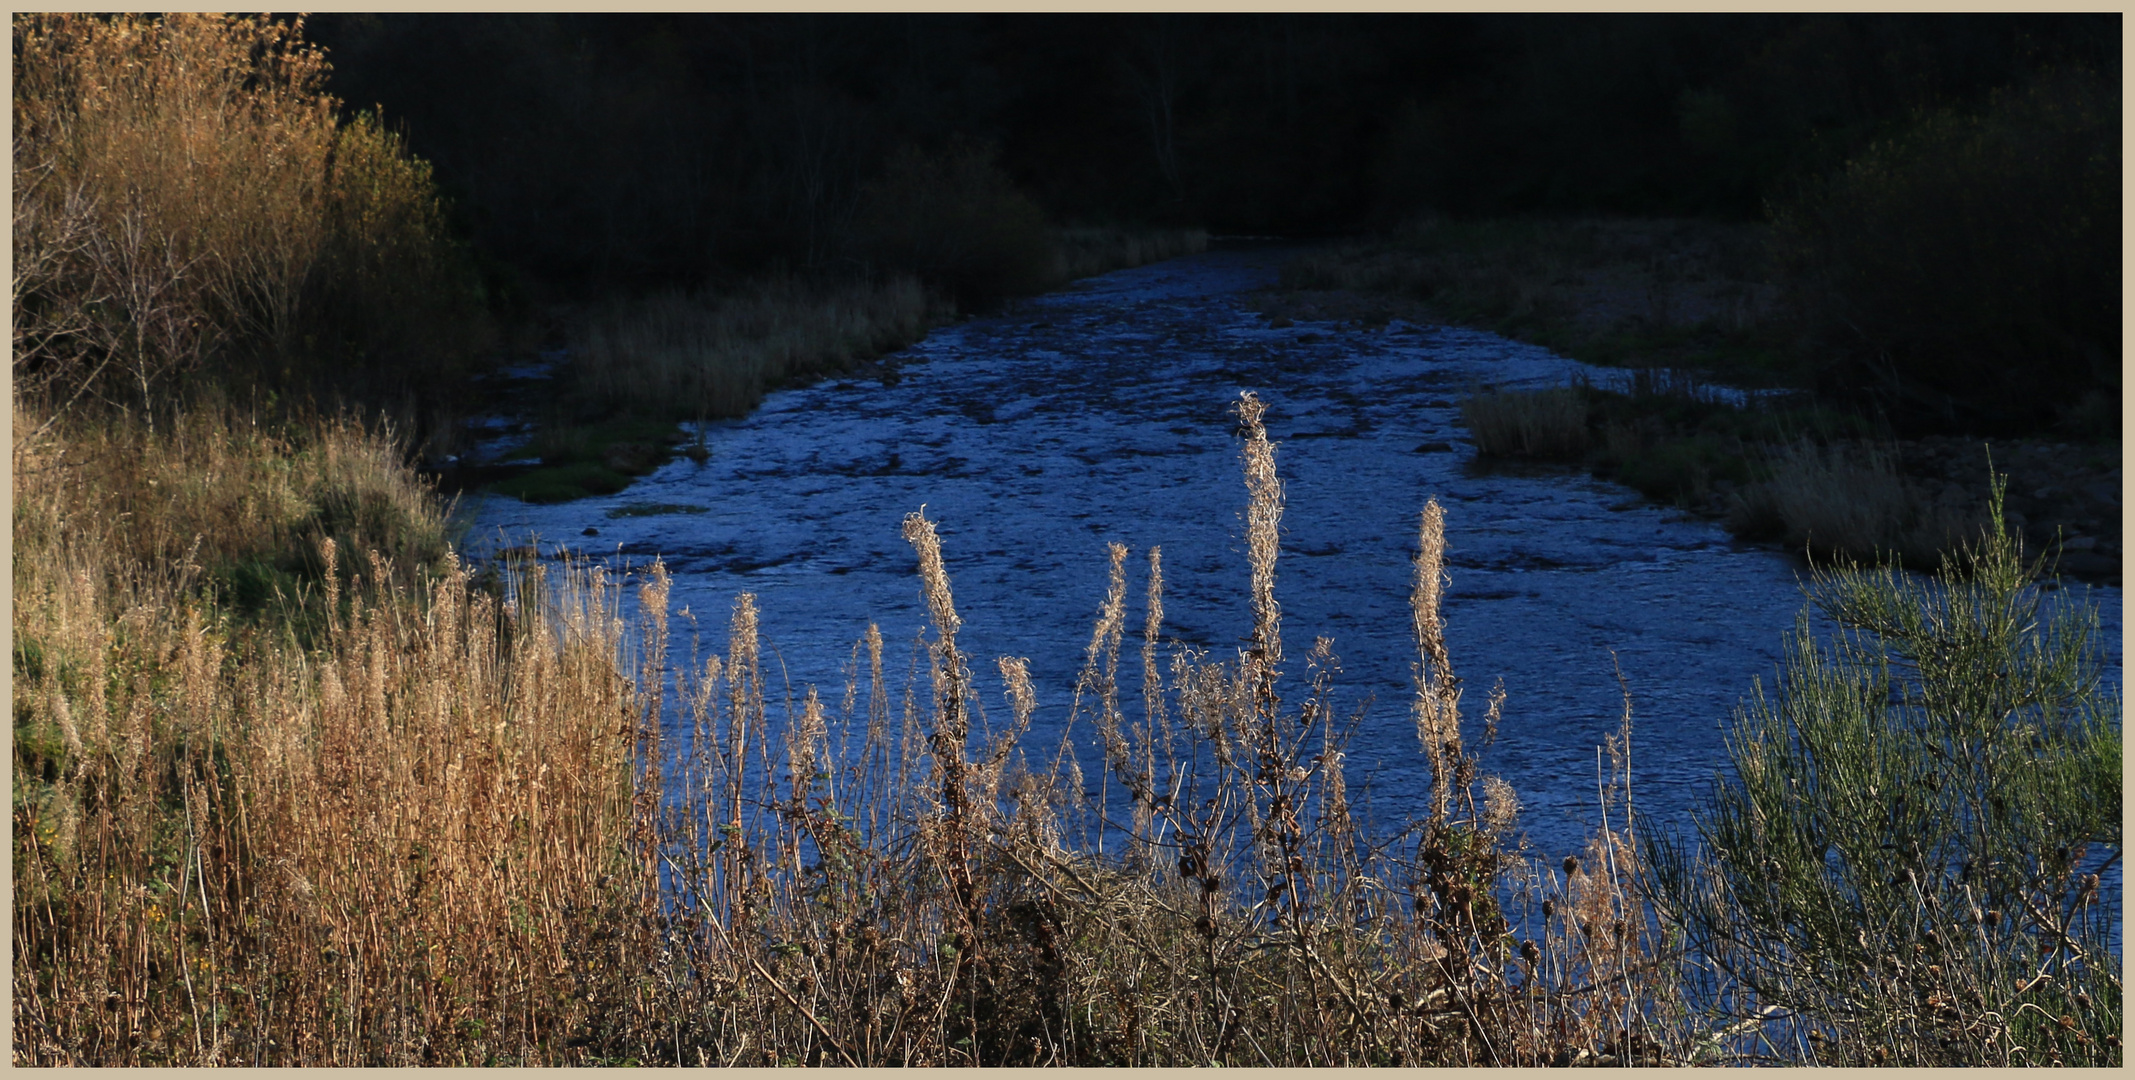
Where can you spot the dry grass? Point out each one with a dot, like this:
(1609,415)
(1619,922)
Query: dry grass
(857,885)
(1849,500)
(1637,293)
(185,195)
(1597,273)
(218,489)
(389,848)
(1087,251)
(1547,424)
(453,831)
(711,355)
(703,355)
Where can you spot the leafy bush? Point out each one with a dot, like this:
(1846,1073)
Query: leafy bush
(1904,855)
(185,197)
(1966,272)
(391,290)
(957,221)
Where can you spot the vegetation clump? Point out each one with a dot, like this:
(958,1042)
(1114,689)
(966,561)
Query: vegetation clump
(861,885)
(294,785)
(1683,294)
(570,878)
(187,199)
(1904,859)
(709,355)
(1965,272)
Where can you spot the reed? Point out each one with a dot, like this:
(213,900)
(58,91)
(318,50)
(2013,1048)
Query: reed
(849,890)
(478,818)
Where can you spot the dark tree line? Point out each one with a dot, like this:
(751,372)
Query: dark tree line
(628,149)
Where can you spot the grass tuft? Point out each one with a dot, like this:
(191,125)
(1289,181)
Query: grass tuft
(1544,424)
(1849,500)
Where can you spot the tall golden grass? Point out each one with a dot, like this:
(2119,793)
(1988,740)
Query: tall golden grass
(449,825)
(388,847)
(863,884)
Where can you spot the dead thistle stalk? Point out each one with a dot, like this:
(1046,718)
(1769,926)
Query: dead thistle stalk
(1437,706)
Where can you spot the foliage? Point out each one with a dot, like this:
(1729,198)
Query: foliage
(227,501)
(394,293)
(1086,251)
(1630,293)
(1848,499)
(421,815)
(1905,854)
(955,219)
(1966,271)
(184,198)
(1545,424)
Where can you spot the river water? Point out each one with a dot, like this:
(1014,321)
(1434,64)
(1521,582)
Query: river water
(1036,436)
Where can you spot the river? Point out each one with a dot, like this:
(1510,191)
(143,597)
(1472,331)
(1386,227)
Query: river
(1035,436)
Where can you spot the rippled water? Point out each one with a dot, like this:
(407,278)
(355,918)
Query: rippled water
(1100,413)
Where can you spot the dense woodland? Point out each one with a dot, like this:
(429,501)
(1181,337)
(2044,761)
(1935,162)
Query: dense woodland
(1945,187)
(1942,192)
(625,148)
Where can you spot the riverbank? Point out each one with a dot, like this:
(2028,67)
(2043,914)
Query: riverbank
(1690,303)
(1674,293)
(603,404)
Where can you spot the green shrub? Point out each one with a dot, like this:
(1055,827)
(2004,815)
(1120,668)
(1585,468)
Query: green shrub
(957,221)
(1899,856)
(1966,272)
